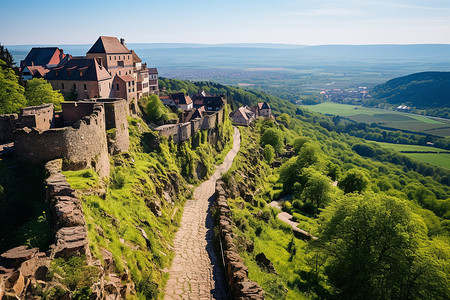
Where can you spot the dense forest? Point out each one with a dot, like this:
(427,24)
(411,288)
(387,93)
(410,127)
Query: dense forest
(426,90)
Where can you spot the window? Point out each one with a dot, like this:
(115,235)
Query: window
(133,82)
(129,90)
(120,63)
(119,73)
(74,86)
(133,89)
(85,87)
(128,57)
(117,86)
(110,85)
(62,85)
(114,58)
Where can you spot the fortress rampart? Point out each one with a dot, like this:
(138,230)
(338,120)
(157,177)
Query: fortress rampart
(183,131)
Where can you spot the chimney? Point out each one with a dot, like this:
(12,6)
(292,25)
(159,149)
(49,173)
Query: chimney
(122,41)
(32,63)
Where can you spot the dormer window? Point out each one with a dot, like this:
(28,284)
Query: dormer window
(69,72)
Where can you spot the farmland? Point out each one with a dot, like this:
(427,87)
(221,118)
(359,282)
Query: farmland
(441,159)
(386,118)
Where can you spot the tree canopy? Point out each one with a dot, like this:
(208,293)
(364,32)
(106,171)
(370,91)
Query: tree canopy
(38,91)
(354,181)
(11,92)
(378,249)
(273,137)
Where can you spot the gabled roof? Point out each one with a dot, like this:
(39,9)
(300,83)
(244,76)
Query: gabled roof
(108,44)
(136,58)
(83,69)
(180,98)
(265,105)
(43,56)
(246,113)
(152,70)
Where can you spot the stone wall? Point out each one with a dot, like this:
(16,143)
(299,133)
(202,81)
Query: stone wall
(39,117)
(237,273)
(68,218)
(116,113)
(81,145)
(183,131)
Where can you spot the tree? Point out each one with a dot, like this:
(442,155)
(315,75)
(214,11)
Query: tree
(11,92)
(269,153)
(354,181)
(274,138)
(156,112)
(378,249)
(9,61)
(308,155)
(317,189)
(38,91)
(298,143)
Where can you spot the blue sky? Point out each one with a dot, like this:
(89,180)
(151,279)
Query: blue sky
(305,22)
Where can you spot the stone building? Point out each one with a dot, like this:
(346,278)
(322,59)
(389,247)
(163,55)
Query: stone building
(243,116)
(109,70)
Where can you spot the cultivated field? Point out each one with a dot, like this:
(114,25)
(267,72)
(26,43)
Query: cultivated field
(438,159)
(392,119)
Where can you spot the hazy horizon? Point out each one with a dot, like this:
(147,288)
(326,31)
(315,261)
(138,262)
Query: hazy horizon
(294,22)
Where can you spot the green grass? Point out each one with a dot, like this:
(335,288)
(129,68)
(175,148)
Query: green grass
(82,179)
(137,180)
(394,119)
(404,147)
(440,160)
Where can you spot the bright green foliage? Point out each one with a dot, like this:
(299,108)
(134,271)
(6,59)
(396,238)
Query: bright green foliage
(141,180)
(155,111)
(299,142)
(82,179)
(38,91)
(74,272)
(354,181)
(11,92)
(317,189)
(372,243)
(274,138)
(269,153)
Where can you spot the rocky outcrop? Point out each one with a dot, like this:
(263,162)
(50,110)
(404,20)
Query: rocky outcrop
(69,224)
(241,286)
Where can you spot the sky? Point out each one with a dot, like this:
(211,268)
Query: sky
(302,22)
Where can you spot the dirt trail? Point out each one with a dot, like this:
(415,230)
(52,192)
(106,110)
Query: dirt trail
(195,272)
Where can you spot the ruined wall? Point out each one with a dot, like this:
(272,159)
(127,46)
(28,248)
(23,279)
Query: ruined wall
(237,273)
(8,123)
(183,131)
(116,113)
(72,112)
(81,145)
(39,117)
(209,121)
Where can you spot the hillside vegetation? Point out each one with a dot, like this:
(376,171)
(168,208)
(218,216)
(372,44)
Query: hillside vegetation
(426,90)
(382,227)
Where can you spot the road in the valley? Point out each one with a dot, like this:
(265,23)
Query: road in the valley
(195,272)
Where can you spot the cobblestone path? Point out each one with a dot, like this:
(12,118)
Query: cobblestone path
(195,273)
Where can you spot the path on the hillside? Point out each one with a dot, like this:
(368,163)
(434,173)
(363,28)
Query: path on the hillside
(287,218)
(195,272)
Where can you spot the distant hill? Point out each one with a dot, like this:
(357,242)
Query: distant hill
(419,90)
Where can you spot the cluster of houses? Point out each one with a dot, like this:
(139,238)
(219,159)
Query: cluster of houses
(108,70)
(111,70)
(244,115)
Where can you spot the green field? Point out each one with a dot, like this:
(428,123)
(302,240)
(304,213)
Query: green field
(393,119)
(441,159)
(437,159)
(403,147)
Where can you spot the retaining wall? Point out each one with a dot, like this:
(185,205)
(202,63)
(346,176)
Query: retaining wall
(237,273)
(183,131)
(8,123)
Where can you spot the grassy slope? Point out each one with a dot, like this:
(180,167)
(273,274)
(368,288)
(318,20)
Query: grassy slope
(137,180)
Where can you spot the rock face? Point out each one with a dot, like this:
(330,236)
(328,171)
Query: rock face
(240,285)
(265,263)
